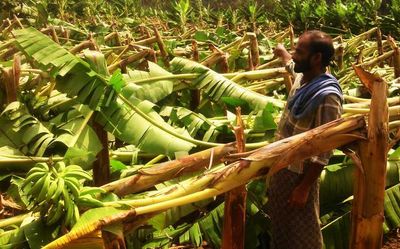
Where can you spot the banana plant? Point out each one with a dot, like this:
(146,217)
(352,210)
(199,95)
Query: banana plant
(254,14)
(183,8)
(114,111)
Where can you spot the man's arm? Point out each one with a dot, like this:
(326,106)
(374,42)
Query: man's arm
(286,58)
(328,111)
(281,52)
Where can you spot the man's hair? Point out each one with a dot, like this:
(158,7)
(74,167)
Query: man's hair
(320,42)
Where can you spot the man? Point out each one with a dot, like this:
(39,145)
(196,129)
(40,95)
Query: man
(315,99)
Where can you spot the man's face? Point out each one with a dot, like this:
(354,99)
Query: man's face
(302,56)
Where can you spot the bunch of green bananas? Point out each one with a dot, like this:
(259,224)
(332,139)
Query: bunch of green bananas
(53,190)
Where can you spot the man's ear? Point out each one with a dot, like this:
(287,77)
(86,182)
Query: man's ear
(317,58)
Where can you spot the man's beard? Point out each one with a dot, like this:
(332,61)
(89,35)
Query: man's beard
(302,66)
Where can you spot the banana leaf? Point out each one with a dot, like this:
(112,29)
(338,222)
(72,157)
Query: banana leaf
(75,77)
(12,239)
(207,226)
(152,91)
(195,123)
(209,223)
(217,86)
(39,234)
(336,234)
(24,132)
(90,221)
(337,182)
(26,135)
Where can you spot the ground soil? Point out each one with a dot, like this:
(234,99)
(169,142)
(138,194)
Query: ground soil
(392,240)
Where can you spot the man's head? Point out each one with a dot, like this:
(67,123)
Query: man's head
(314,51)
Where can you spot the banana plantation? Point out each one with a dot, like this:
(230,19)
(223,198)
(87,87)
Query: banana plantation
(139,124)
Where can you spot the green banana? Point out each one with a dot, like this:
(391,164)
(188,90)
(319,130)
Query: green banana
(60,186)
(60,166)
(45,189)
(78,175)
(73,186)
(52,189)
(91,190)
(55,213)
(37,186)
(76,172)
(33,177)
(56,189)
(73,167)
(89,201)
(36,169)
(69,208)
(54,171)
(42,166)
(76,215)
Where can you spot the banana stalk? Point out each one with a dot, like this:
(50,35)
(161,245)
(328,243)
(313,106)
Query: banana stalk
(394,125)
(147,41)
(339,53)
(147,178)
(255,56)
(379,44)
(396,62)
(291,36)
(81,46)
(270,64)
(266,85)
(258,74)
(161,46)
(15,220)
(235,200)
(393,110)
(127,60)
(369,188)
(250,75)
(22,163)
(373,62)
(353,43)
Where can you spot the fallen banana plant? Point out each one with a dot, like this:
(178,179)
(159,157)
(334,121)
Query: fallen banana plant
(147,178)
(270,158)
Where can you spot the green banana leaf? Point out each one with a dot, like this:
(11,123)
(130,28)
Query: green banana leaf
(196,124)
(75,77)
(82,141)
(39,234)
(209,225)
(12,239)
(45,108)
(91,221)
(152,91)
(336,234)
(24,132)
(162,238)
(337,182)
(32,232)
(26,135)
(216,86)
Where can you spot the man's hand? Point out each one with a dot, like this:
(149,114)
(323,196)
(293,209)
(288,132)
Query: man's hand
(300,193)
(281,52)
(299,196)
